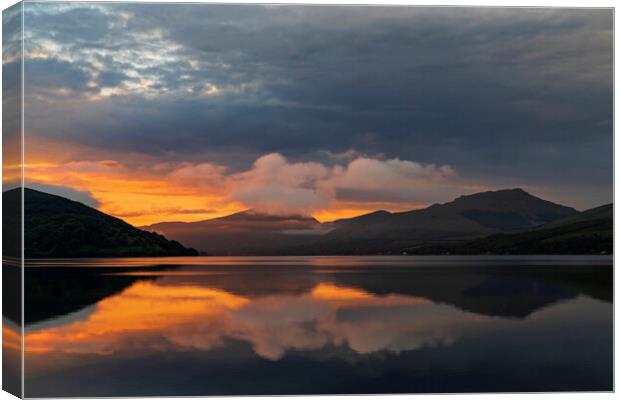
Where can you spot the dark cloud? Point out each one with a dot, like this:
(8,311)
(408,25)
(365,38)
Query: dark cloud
(50,73)
(506,95)
(11,94)
(111,78)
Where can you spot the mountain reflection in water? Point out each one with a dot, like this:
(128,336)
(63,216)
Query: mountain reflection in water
(186,318)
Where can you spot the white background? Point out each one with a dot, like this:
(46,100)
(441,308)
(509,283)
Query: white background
(540,3)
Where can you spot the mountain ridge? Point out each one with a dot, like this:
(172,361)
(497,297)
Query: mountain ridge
(509,221)
(465,218)
(586,232)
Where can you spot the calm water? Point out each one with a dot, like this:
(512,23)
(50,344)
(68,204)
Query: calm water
(292,325)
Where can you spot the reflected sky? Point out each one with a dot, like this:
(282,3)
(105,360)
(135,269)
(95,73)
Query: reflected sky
(233,329)
(151,317)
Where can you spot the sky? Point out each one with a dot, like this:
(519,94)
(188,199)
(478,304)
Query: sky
(184,112)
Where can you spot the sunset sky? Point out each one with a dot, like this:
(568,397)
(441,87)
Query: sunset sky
(155,112)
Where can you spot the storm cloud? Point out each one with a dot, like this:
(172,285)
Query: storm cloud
(510,97)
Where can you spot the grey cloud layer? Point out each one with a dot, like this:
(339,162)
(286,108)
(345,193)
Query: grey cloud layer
(506,95)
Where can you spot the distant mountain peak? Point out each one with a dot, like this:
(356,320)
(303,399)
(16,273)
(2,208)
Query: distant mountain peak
(496,194)
(516,197)
(508,209)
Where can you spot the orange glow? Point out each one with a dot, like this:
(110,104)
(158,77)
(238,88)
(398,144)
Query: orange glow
(11,174)
(11,158)
(139,194)
(342,209)
(143,307)
(143,190)
(326,291)
(11,338)
(340,213)
(158,316)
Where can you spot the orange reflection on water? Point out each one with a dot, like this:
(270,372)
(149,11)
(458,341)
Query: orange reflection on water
(142,308)
(158,317)
(332,292)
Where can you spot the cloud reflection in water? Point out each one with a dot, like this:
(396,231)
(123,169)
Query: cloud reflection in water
(150,317)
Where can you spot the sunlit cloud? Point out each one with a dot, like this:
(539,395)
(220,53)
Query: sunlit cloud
(274,185)
(145,190)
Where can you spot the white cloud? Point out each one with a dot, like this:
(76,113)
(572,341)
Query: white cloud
(370,173)
(274,185)
(277,186)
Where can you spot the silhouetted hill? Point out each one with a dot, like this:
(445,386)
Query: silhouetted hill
(58,227)
(602,214)
(380,232)
(463,219)
(587,232)
(11,224)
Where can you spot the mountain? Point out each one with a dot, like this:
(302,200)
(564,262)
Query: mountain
(57,227)
(461,220)
(11,225)
(602,214)
(466,217)
(587,232)
(243,233)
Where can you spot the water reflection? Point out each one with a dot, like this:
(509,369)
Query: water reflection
(260,330)
(151,316)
